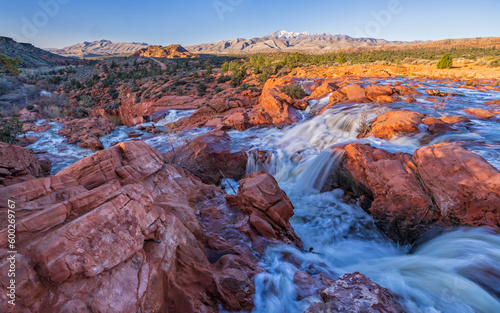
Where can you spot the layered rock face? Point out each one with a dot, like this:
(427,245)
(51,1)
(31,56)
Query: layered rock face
(86,131)
(209,157)
(19,164)
(440,185)
(124,231)
(274,107)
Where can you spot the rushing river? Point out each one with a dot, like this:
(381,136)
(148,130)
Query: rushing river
(455,272)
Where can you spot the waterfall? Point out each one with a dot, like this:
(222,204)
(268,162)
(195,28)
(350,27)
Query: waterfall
(314,177)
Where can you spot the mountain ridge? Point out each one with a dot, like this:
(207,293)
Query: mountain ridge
(98,48)
(286,41)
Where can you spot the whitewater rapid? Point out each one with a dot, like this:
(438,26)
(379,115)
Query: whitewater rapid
(455,272)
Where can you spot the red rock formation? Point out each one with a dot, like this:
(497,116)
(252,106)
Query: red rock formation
(355,293)
(441,185)
(122,230)
(87,131)
(493,102)
(326,87)
(454,119)
(401,206)
(480,113)
(464,186)
(132,113)
(275,108)
(17,164)
(209,155)
(268,207)
(169,52)
(396,123)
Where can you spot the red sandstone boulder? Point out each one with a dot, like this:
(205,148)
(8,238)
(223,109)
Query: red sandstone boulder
(480,113)
(17,164)
(268,207)
(464,186)
(127,162)
(26,141)
(124,231)
(326,87)
(274,108)
(493,102)
(441,185)
(87,131)
(396,123)
(454,119)
(355,93)
(209,157)
(355,293)
(389,190)
(375,92)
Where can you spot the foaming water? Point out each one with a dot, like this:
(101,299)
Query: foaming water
(458,271)
(454,272)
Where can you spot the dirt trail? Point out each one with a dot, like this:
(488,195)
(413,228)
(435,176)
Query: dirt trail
(161,64)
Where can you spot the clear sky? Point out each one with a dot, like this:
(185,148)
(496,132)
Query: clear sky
(60,23)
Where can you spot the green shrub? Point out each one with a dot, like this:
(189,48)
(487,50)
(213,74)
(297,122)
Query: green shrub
(180,92)
(446,61)
(294,91)
(10,130)
(10,64)
(223,78)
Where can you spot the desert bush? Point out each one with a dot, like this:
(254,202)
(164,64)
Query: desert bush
(364,126)
(10,64)
(217,89)
(446,61)
(10,130)
(115,120)
(54,111)
(294,91)
(180,92)
(223,78)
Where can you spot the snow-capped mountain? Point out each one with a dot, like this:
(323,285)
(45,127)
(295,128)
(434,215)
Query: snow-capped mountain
(287,41)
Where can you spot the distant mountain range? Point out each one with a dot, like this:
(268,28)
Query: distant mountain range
(32,56)
(288,42)
(278,41)
(99,48)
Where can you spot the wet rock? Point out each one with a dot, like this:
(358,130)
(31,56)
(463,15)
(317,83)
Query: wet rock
(238,121)
(464,186)
(454,119)
(87,131)
(209,157)
(396,123)
(397,200)
(440,186)
(355,293)
(268,208)
(480,113)
(26,141)
(301,104)
(493,102)
(437,93)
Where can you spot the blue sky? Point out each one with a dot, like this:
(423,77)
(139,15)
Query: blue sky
(59,23)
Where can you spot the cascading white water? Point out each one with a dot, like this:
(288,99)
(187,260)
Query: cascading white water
(455,272)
